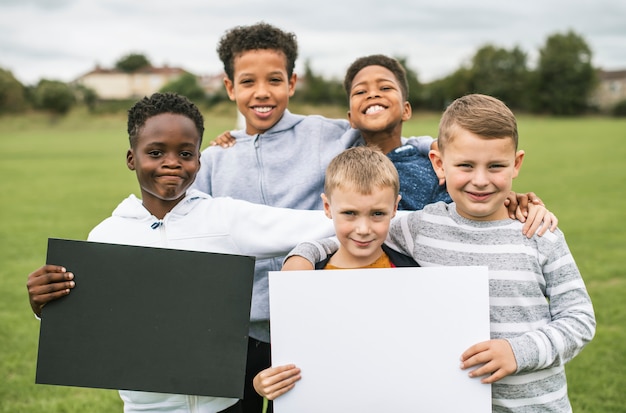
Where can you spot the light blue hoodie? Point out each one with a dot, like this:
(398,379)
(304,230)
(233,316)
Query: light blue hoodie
(283,167)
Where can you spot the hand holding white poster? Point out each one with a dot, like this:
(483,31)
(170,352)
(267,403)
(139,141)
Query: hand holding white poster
(380,340)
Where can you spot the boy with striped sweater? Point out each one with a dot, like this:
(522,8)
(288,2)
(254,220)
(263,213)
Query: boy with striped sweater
(541,314)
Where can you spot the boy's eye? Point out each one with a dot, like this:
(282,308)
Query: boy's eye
(349,213)
(186,154)
(154,153)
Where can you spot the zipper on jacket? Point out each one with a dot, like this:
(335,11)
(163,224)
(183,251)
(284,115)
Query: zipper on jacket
(259,164)
(160,225)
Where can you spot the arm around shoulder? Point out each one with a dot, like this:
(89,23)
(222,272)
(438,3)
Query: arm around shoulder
(312,251)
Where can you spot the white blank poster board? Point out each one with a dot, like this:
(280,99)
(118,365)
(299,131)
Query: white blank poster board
(380,340)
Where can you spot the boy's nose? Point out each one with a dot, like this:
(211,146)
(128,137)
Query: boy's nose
(262,91)
(480,177)
(362,226)
(171,161)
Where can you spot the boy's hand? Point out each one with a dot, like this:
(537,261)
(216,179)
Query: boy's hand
(225,140)
(46,284)
(275,381)
(496,357)
(297,263)
(538,216)
(529,209)
(518,204)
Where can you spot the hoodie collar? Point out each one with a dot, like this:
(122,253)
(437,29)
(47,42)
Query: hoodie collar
(132,207)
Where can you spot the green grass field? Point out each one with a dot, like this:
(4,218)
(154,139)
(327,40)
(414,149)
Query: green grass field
(61,179)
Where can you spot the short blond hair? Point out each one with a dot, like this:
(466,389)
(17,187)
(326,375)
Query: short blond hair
(362,168)
(482,115)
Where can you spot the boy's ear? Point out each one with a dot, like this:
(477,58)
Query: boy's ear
(407,111)
(519,158)
(230,88)
(130,160)
(292,84)
(326,206)
(437,163)
(350,121)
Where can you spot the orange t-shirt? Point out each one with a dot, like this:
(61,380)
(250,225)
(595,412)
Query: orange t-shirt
(382,262)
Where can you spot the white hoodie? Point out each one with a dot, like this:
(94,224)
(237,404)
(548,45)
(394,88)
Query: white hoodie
(202,223)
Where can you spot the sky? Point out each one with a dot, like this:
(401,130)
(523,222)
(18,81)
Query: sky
(64,39)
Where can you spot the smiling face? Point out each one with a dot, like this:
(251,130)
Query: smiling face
(377,103)
(361,223)
(166,159)
(479,173)
(261,88)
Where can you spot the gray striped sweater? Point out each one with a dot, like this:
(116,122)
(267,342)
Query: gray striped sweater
(538,300)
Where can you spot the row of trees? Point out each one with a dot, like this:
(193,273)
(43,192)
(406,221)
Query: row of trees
(52,96)
(561,83)
(58,98)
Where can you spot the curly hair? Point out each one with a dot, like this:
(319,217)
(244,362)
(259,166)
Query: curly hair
(159,103)
(259,36)
(377,60)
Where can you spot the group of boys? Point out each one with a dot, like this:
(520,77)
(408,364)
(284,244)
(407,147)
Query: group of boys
(281,159)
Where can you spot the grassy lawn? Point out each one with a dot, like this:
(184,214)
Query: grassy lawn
(62,178)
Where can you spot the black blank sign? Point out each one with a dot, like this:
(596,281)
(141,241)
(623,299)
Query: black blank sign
(148,319)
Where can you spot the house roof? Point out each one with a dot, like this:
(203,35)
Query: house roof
(165,70)
(612,74)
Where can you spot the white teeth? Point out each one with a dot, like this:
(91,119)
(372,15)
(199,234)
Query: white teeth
(264,109)
(374,109)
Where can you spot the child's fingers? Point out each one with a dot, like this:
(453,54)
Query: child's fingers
(280,392)
(473,351)
(281,383)
(484,370)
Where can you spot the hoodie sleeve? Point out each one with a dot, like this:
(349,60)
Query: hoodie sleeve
(265,231)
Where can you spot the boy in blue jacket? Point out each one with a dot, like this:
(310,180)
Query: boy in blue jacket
(378,91)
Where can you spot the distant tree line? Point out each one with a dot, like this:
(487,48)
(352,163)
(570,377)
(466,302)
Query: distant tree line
(561,83)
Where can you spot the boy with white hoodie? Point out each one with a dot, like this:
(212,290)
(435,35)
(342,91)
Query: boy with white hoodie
(165,133)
